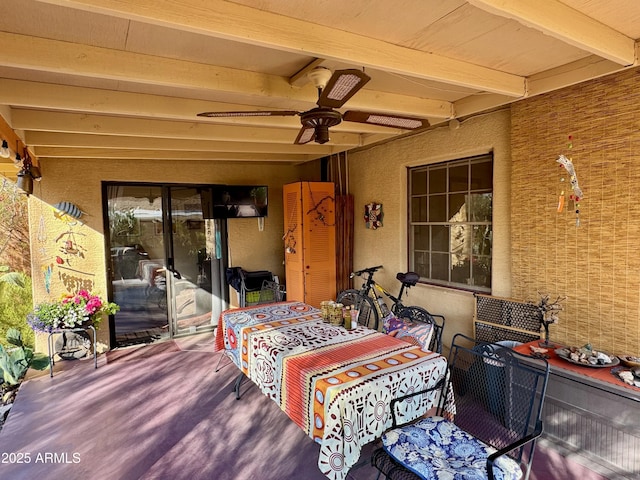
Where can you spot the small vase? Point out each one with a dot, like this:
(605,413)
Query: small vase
(546,343)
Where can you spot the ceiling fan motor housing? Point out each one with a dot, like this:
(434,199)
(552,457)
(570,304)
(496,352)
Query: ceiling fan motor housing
(320,76)
(320,119)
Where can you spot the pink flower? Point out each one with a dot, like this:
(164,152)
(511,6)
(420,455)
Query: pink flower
(93,305)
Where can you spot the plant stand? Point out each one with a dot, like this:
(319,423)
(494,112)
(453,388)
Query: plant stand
(51,349)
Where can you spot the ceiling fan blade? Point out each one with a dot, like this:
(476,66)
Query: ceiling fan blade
(250,113)
(342,85)
(305,135)
(385,120)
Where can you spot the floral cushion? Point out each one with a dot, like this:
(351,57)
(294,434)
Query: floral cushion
(435,448)
(391,323)
(418,333)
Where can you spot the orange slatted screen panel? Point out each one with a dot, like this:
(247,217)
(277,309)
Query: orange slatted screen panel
(319,224)
(310,242)
(293,242)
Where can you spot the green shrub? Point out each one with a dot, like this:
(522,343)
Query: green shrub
(15,303)
(15,361)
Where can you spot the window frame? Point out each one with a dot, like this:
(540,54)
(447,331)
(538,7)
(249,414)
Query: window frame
(478,264)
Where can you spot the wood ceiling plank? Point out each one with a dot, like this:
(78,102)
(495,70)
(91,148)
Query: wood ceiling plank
(621,13)
(474,35)
(236,22)
(564,23)
(27,119)
(365,17)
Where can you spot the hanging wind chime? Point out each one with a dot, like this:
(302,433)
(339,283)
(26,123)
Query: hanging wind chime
(576,194)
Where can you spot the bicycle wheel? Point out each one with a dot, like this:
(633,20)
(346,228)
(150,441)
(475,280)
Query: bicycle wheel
(368,315)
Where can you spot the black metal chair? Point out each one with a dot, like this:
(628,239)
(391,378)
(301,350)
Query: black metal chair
(419,314)
(498,396)
(271,292)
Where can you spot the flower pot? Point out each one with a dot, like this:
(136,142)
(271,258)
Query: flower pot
(73,345)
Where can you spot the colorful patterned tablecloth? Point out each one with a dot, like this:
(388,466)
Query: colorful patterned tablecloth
(337,385)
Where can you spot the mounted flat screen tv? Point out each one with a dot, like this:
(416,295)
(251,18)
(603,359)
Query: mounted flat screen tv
(240,201)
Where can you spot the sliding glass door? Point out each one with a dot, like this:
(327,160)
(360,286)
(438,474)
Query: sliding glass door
(167,261)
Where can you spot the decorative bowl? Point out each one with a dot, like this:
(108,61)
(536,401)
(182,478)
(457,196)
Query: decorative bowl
(629,361)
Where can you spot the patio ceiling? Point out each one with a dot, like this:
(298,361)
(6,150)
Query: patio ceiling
(121,79)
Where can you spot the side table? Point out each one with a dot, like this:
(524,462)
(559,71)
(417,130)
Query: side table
(52,353)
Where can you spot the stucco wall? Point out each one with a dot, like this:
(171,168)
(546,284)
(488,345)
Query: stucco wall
(535,249)
(595,265)
(379,174)
(56,270)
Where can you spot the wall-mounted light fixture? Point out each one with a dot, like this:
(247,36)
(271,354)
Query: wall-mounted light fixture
(27,174)
(5,152)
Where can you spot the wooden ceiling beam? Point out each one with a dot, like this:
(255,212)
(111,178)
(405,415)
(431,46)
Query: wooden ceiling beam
(223,19)
(80,140)
(554,79)
(300,78)
(7,169)
(562,22)
(20,51)
(25,94)
(28,119)
(571,74)
(14,141)
(110,153)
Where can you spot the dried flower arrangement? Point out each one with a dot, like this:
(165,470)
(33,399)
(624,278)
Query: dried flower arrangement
(549,311)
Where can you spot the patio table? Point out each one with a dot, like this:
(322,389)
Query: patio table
(335,384)
(602,375)
(593,414)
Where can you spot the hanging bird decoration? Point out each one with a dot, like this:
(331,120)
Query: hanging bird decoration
(63,209)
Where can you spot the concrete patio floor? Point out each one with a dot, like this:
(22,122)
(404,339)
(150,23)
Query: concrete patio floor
(162,412)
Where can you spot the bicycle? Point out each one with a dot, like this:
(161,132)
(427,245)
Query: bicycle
(369,303)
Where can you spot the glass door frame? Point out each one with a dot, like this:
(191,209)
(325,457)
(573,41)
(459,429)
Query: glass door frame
(219,293)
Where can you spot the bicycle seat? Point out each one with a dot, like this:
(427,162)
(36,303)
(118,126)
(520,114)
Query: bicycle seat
(409,278)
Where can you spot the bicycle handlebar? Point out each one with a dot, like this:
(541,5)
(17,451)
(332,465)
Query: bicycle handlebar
(369,270)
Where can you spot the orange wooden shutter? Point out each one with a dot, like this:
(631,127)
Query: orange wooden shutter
(309,241)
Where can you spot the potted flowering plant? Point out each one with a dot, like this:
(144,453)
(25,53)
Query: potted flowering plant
(71,311)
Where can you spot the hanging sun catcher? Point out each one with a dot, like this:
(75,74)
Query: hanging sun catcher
(576,194)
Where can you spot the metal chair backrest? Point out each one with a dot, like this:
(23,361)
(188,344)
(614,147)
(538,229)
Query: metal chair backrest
(498,393)
(419,314)
(271,292)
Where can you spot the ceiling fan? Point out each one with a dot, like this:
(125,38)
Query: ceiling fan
(333,92)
